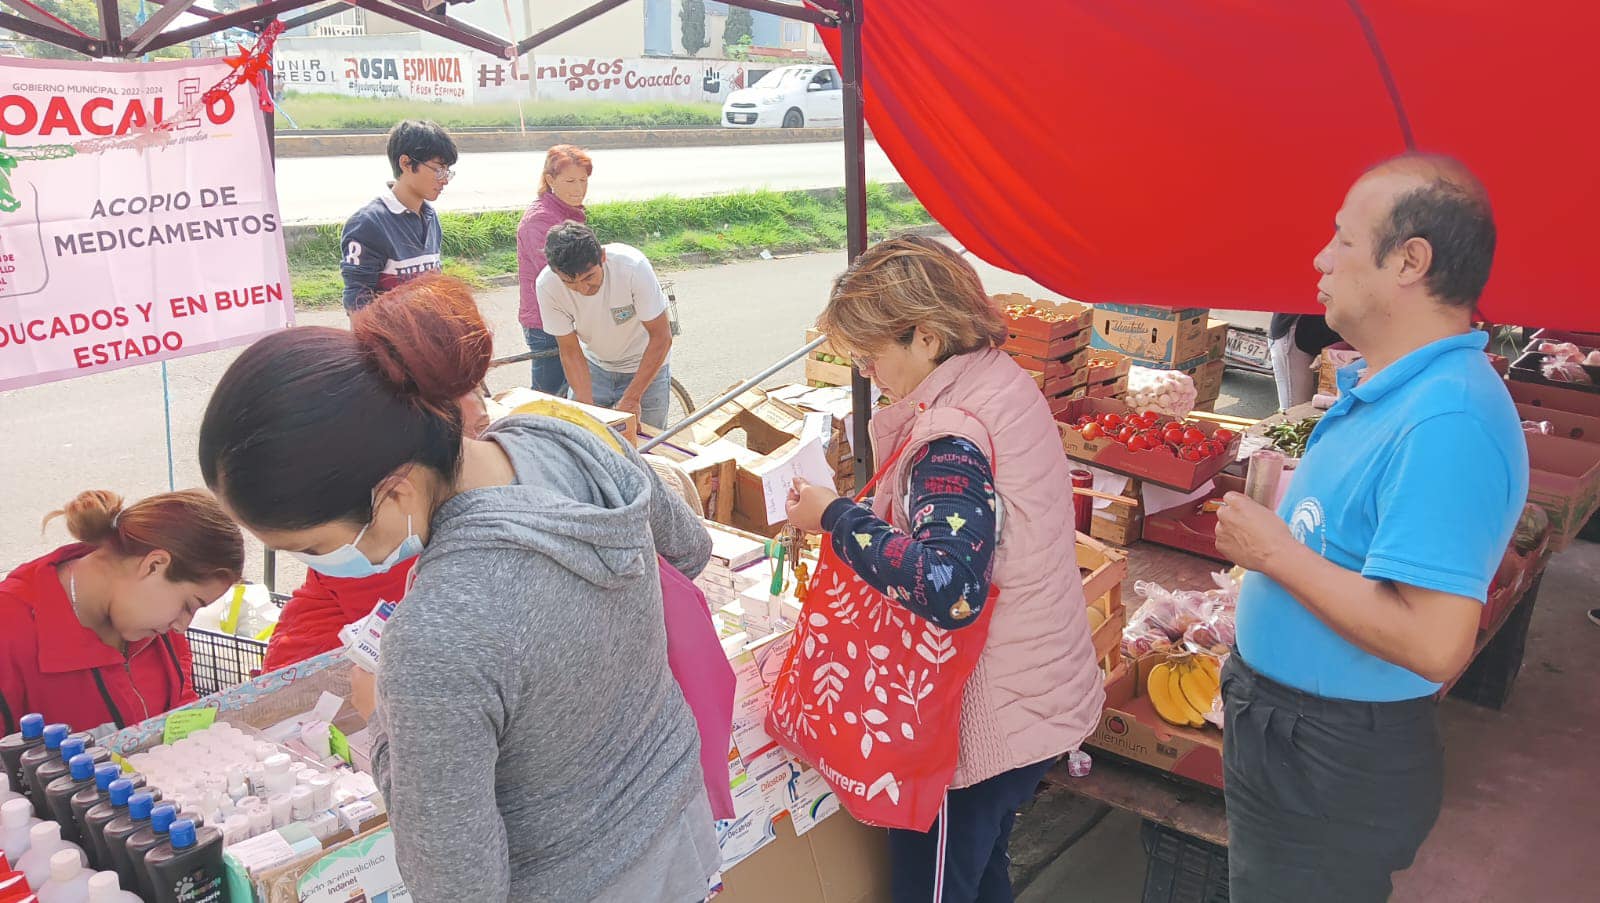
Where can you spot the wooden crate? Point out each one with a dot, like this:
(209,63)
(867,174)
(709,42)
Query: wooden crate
(1104,569)
(826,373)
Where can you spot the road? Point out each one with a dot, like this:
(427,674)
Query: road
(329,189)
(106,431)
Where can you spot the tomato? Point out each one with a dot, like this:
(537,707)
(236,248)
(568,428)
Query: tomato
(1126,434)
(1151,418)
(1192,436)
(1092,431)
(1110,420)
(1223,436)
(1191,453)
(1163,449)
(1173,434)
(1211,448)
(1085,420)
(1139,443)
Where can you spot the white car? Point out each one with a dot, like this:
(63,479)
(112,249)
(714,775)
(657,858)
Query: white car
(790,97)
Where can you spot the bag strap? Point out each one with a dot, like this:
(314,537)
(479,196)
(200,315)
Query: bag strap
(884,470)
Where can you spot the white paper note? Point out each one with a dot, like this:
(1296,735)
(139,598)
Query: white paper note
(808,462)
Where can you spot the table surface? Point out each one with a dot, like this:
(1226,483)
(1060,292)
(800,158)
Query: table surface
(1189,807)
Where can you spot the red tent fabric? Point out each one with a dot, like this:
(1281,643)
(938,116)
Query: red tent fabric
(1188,153)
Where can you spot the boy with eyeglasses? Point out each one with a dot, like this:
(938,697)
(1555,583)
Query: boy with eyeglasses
(396,236)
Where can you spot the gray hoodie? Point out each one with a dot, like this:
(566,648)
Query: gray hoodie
(530,739)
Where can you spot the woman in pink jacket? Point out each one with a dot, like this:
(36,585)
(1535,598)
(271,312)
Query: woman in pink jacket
(562,187)
(980,496)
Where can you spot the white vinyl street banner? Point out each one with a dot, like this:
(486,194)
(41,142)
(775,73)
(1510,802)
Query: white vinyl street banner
(121,243)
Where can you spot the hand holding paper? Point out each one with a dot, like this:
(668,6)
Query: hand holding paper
(806,503)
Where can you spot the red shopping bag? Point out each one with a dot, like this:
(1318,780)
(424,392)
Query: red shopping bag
(870,696)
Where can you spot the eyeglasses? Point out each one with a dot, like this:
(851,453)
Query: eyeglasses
(443,174)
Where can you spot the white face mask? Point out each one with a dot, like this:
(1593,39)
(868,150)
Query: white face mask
(349,562)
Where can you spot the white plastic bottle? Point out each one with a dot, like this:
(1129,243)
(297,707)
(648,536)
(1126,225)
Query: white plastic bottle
(44,842)
(7,792)
(16,820)
(103,888)
(69,880)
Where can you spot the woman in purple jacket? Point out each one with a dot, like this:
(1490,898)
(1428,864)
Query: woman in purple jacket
(562,187)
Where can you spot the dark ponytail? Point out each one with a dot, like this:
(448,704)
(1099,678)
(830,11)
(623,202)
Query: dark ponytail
(308,421)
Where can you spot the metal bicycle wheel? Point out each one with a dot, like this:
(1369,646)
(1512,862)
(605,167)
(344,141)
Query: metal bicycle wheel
(682,404)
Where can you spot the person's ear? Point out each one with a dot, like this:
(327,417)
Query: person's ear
(1416,258)
(407,164)
(926,344)
(155,563)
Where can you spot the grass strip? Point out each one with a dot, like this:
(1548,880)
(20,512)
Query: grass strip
(673,232)
(332,111)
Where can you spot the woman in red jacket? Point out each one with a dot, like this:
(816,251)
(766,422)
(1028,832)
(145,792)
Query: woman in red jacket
(92,633)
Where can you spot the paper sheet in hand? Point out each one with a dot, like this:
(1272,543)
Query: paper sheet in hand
(808,462)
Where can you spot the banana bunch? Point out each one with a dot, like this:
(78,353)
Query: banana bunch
(1183,688)
(544,407)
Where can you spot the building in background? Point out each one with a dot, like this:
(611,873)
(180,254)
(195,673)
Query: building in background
(648,28)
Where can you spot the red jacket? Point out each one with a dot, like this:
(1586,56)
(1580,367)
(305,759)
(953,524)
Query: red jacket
(312,617)
(52,664)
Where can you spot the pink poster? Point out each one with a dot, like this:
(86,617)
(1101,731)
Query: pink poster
(119,246)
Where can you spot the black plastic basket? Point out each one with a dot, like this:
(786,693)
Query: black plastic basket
(222,660)
(1182,869)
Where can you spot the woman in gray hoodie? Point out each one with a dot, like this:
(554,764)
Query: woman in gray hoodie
(531,742)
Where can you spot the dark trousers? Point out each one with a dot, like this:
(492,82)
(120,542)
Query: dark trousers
(1327,798)
(965,857)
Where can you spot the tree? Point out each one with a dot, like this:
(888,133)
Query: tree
(693,17)
(83,15)
(739,29)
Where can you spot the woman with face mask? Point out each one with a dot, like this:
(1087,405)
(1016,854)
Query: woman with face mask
(563,184)
(529,738)
(326,602)
(92,634)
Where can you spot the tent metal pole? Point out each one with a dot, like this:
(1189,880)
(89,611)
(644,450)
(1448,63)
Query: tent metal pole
(855,205)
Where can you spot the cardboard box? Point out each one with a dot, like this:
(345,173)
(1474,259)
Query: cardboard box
(838,861)
(1173,473)
(1047,349)
(1208,380)
(1157,337)
(1564,480)
(1130,728)
(713,471)
(1582,427)
(1065,318)
(1537,395)
(1216,338)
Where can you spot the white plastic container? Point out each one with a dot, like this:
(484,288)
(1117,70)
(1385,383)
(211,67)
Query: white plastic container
(44,843)
(7,793)
(16,822)
(69,880)
(104,888)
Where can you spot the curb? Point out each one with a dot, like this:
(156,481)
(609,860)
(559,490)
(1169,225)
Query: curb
(289,144)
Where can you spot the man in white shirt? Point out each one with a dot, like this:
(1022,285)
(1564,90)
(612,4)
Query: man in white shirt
(609,317)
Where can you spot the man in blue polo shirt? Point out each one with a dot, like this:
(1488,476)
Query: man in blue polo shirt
(1367,583)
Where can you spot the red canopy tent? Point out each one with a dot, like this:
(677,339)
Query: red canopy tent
(1193,154)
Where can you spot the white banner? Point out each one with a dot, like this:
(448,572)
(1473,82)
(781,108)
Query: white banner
(481,78)
(123,255)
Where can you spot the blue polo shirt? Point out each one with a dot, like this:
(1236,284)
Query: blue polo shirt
(1416,476)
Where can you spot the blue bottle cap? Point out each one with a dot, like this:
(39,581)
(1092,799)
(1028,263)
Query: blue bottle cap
(120,792)
(32,726)
(73,746)
(162,817)
(182,832)
(82,766)
(54,734)
(105,773)
(139,806)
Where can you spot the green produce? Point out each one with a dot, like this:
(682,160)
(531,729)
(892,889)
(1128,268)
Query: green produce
(1291,438)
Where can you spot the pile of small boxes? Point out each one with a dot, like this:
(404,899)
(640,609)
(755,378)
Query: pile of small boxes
(1051,340)
(1162,338)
